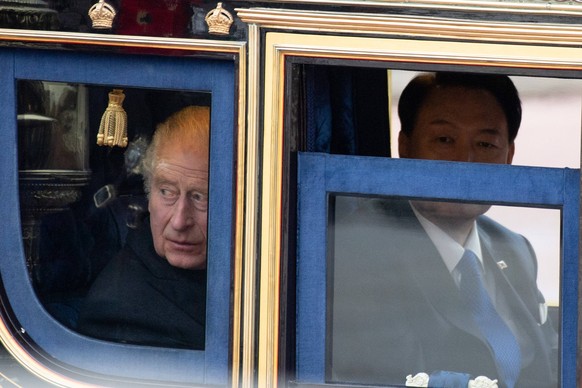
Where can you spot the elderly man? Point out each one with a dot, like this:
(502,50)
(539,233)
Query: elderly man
(406,271)
(154,291)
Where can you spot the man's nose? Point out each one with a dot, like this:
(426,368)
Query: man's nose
(183,215)
(463,153)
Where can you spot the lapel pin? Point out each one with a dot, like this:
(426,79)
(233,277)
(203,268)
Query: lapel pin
(501,264)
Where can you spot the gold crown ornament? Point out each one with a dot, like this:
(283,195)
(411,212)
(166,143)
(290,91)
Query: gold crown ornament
(102,15)
(219,20)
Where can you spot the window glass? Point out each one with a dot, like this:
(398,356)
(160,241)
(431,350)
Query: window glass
(380,289)
(395,290)
(84,201)
(80,201)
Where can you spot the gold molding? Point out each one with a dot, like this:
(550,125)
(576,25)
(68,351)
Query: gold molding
(243,255)
(281,45)
(539,7)
(247,366)
(87,39)
(31,364)
(271,210)
(424,51)
(414,26)
(243,240)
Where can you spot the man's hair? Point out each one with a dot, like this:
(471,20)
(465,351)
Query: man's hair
(189,127)
(501,87)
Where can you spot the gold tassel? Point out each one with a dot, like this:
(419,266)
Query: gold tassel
(113,127)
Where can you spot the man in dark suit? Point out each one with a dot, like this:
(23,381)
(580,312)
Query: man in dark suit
(153,292)
(400,293)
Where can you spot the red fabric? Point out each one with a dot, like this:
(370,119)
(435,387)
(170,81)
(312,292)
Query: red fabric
(169,18)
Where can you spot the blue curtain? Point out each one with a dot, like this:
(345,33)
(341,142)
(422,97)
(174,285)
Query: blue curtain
(347,110)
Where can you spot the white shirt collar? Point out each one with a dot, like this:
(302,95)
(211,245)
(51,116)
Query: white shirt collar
(451,251)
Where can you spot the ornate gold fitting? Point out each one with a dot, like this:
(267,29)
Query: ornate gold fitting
(113,126)
(219,20)
(102,15)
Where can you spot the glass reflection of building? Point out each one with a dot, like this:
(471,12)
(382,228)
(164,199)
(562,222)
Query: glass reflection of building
(29,14)
(52,157)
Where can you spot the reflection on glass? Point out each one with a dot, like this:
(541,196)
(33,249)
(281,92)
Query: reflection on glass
(84,207)
(400,300)
(52,122)
(28,14)
(52,155)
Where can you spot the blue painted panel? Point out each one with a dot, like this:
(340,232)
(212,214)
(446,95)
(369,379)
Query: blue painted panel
(189,74)
(322,174)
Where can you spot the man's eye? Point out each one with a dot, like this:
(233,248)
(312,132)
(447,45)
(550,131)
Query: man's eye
(200,201)
(166,192)
(444,139)
(198,197)
(485,144)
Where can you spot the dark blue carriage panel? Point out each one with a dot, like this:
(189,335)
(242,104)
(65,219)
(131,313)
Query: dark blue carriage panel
(322,176)
(216,77)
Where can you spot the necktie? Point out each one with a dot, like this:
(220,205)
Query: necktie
(500,338)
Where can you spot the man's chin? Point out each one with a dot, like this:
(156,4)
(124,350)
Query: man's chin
(450,212)
(189,262)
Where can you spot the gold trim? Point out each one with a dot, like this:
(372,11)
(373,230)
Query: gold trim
(555,8)
(252,211)
(67,38)
(31,364)
(414,27)
(271,195)
(279,46)
(421,51)
(241,256)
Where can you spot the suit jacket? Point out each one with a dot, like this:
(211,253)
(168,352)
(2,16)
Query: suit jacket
(397,311)
(140,298)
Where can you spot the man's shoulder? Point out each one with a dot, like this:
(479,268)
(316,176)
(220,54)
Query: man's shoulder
(494,230)
(505,244)
(122,276)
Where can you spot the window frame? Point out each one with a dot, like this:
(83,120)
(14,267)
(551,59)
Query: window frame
(47,342)
(321,174)
(393,41)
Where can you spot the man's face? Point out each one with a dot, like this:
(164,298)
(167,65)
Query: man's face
(178,206)
(463,125)
(459,124)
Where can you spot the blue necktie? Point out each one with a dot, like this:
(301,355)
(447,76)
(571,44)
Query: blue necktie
(500,338)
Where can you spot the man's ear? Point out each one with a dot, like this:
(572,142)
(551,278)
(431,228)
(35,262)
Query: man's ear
(403,145)
(510,153)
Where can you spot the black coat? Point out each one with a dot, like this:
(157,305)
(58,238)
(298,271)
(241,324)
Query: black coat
(139,298)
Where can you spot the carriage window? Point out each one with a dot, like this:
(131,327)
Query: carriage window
(97,250)
(434,271)
(112,176)
(399,296)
